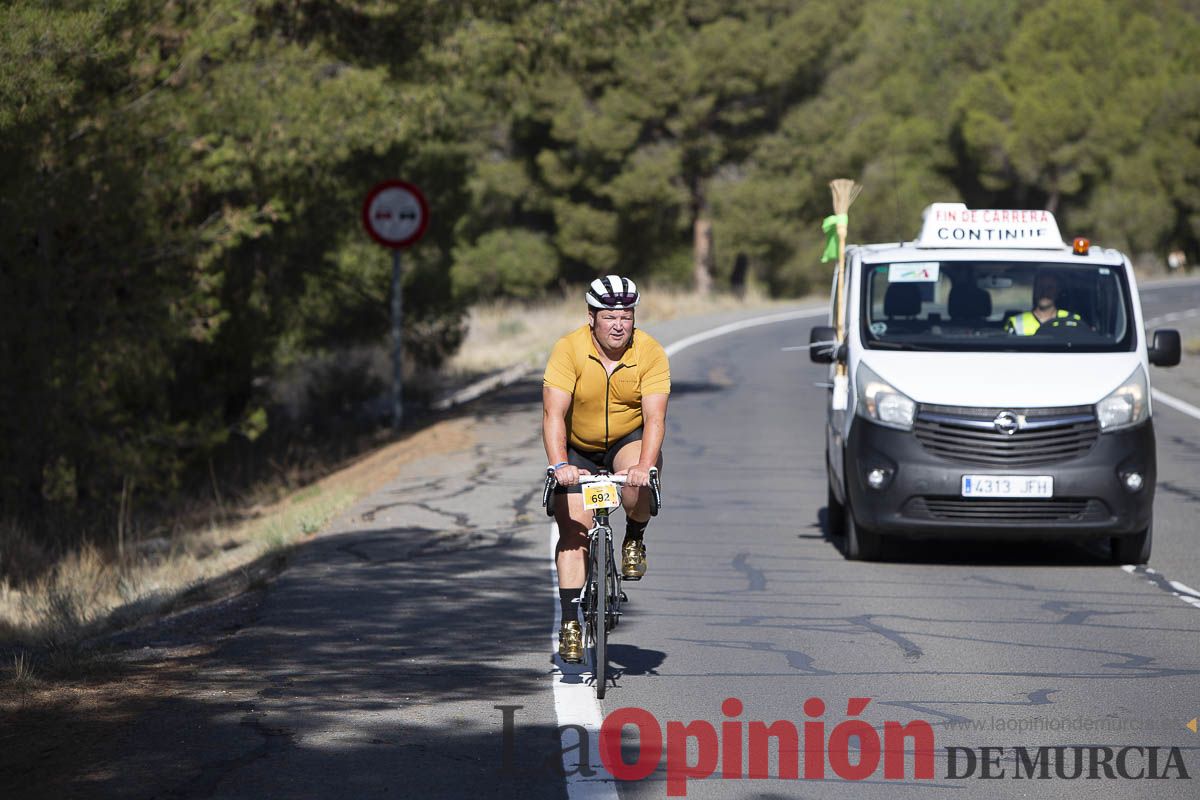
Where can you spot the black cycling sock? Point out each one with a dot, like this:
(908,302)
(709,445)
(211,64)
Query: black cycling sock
(635,530)
(566,601)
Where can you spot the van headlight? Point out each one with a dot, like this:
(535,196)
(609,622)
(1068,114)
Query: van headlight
(878,400)
(1126,405)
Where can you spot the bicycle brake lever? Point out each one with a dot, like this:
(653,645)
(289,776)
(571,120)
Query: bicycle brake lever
(548,492)
(656,494)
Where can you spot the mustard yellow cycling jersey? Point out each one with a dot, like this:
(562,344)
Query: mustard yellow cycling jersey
(605,407)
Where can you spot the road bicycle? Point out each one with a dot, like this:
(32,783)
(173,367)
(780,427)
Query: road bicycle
(601,597)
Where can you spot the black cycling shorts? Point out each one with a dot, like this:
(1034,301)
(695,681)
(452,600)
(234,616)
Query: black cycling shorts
(593,462)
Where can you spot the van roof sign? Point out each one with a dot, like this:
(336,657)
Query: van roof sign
(954,225)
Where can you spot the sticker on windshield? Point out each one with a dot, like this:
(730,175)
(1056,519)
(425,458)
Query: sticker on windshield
(916,272)
(879,328)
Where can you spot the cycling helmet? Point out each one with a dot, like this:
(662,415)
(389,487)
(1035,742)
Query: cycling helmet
(612,292)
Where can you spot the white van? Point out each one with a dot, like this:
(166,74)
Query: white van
(996,385)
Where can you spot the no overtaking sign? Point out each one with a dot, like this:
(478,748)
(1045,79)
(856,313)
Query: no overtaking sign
(395,214)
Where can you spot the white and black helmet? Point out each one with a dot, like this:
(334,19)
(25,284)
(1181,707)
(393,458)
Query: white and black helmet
(612,292)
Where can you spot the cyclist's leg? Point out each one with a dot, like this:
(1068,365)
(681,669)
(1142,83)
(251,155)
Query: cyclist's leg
(574,521)
(636,501)
(570,557)
(570,553)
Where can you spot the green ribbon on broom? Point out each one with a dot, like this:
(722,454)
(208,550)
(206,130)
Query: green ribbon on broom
(829,225)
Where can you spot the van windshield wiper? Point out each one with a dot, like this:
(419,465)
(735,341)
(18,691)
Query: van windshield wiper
(882,345)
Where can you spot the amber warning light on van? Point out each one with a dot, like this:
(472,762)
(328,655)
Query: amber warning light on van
(1081,246)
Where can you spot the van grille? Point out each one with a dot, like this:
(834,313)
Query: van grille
(969,435)
(1008,510)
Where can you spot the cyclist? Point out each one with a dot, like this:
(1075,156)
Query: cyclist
(1045,309)
(604,406)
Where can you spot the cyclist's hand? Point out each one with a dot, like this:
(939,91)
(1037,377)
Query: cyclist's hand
(636,476)
(568,474)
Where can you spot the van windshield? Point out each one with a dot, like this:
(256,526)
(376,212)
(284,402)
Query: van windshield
(991,305)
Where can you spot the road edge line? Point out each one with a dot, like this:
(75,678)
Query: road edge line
(575,704)
(1171,401)
(753,322)
(1174,588)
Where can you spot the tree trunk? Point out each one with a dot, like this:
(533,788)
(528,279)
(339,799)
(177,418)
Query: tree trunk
(702,252)
(1052,202)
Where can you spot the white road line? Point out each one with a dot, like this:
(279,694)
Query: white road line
(575,700)
(1167,283)
(770,319)
(1171,401)
(1154,322)
(1174,588)
(575,703)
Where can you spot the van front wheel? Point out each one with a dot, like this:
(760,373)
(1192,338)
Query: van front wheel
(835,514)
(1132,549)
(861,544)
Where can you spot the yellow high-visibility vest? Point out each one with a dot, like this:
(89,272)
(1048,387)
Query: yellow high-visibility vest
(1026,324)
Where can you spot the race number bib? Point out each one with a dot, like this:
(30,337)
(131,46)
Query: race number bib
(601,495)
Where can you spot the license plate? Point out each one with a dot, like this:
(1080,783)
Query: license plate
(601,495)
(1007,485)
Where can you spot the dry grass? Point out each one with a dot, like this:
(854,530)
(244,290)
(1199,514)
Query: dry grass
(1192,347)
(90,590)
(505,335)
(22,670)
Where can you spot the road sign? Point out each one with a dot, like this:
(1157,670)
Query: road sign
(395,214)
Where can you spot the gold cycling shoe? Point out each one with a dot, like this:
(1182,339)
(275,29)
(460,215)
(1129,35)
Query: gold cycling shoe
(633,560)
(570,642)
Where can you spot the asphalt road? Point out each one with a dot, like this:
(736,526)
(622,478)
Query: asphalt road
(406,651)
(993,644)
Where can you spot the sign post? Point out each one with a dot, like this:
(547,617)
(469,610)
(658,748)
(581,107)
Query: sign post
(397,342)
(396,215)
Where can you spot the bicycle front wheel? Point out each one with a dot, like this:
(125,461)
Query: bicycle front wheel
(600,632)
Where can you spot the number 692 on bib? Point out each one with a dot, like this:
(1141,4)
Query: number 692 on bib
(601,495)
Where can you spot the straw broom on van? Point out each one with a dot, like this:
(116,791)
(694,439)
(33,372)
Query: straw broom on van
(844,192)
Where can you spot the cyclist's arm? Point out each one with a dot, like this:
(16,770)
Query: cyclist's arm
(556,403)
(654,430)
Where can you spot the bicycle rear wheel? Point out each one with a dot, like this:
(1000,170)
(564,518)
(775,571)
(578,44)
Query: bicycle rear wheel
(600,612)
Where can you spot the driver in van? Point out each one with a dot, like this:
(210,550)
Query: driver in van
(1045,309)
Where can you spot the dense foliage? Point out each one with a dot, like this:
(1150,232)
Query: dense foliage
(180,181)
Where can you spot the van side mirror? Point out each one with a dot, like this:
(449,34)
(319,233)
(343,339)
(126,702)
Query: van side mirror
(823,346)
(1166,350)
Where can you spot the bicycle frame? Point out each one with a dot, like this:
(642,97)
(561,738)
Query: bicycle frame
(601,596)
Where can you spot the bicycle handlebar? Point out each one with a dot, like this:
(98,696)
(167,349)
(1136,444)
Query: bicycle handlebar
(552,483)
